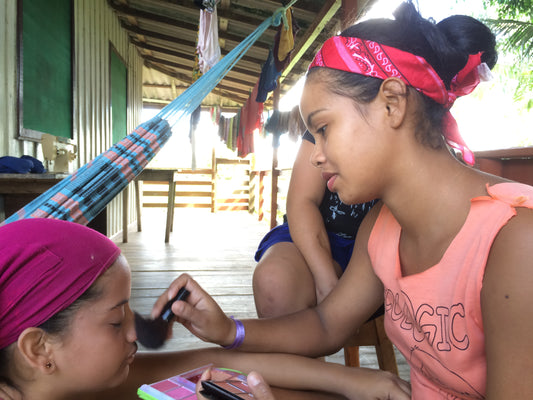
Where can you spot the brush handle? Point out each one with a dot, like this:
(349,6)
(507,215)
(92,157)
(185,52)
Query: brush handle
(212,391)
(167,313)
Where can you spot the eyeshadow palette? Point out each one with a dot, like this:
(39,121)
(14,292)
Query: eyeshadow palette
(183,386)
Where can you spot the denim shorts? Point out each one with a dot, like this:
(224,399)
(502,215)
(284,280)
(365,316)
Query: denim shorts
(341,248)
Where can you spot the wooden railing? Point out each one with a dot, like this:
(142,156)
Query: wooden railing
(515,164)
(226,186)
(230,186)
(193,189)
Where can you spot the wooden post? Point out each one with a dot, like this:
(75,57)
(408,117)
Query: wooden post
(252,187)
(138,203)
(274,197)
(171,204)
(275,144)
(350,12)
(213,180)
(261,195)
(125,214)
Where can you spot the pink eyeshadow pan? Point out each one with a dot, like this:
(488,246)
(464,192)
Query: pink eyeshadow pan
(163,386)
(195,378)
(180,393)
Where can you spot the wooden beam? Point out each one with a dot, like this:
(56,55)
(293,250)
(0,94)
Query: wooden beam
(228,92)
(252,72)
(275,170)
(174,24)
(350,11)
(227,78)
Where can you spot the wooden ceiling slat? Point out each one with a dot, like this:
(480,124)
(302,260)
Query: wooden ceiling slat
(180,25)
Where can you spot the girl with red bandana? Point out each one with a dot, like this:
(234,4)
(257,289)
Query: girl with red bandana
(448,248)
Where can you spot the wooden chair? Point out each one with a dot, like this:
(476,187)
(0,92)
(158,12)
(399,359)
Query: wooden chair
(372,334)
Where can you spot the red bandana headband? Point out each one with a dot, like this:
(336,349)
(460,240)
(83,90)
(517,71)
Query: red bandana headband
(372,59)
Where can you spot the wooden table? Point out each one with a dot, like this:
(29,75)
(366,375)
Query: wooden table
(17,190)
(154,175)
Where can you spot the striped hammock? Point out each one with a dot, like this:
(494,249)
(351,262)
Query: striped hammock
(82,195)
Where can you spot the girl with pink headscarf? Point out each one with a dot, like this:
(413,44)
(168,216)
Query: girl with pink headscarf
(67,331)
(65,323)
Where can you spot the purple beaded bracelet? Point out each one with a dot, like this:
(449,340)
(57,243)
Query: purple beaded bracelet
(239,334)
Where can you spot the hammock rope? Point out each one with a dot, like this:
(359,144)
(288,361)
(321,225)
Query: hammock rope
(82,195)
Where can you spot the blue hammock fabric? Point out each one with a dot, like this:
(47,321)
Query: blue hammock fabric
(82,195)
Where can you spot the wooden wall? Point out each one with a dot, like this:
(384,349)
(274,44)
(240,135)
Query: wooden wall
(96,27)
(8,84)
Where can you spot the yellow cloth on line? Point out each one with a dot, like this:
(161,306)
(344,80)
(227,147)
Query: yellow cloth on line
(286,40)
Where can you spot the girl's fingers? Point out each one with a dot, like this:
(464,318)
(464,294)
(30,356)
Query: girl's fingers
(259,387)
(182,281)
(206,375)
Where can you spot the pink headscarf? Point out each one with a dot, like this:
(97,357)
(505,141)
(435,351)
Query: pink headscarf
(45,265)
(369,58)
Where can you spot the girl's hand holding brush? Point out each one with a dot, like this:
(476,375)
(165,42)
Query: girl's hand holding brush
(200,314)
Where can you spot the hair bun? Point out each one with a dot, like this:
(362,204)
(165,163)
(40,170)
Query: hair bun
(470,36)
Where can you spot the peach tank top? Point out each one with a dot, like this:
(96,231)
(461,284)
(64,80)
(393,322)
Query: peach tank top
(434,317)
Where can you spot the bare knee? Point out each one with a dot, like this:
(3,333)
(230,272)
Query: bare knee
(282,282)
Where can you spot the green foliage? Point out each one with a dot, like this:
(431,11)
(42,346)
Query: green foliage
(514,30)
(514,36)
(514,9)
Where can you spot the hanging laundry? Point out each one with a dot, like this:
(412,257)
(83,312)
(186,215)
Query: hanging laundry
(268,80)
(215,112)
(199,4)
(251,119)
(208,5)
(253,111)
(208,47)
(235,133)
(229,132)
(278,122)
(222,128)
(284,40)
(195,115)
(206,56)
(195,119)
(278,57)
(296,124)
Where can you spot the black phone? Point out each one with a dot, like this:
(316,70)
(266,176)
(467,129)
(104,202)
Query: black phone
(214,392)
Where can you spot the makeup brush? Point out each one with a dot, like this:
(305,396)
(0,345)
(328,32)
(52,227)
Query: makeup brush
(152,333)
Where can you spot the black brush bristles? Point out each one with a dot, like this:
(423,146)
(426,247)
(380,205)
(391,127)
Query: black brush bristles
(152,333)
